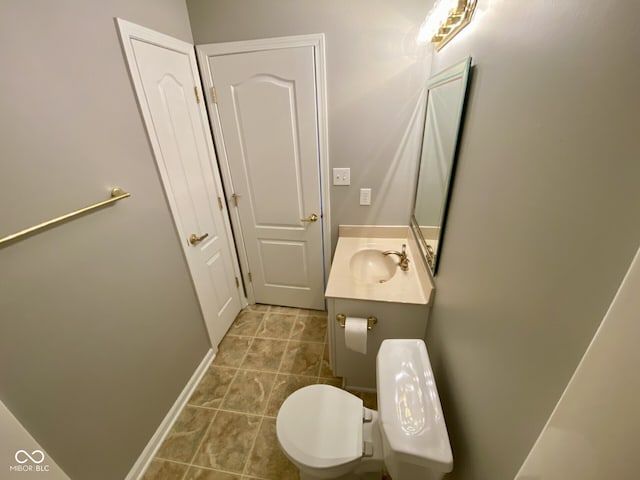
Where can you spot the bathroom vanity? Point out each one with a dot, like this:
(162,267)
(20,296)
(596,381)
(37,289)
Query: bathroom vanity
(364,283)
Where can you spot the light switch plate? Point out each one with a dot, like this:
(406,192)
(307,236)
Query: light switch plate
(365,196)
(342,176)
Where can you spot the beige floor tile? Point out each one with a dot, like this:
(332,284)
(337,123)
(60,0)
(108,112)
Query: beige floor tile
(163,470)
(232,350)
(284,386)
(302,358)
(266,459)
(335,381)
(276,325)
(246,323)
(325,367)
(369,399)
(228,442)
(285,310)
(196,473)
(265,354)
(310,328)
(321,313)
(212,387)
(244,382)
(257,307)
(185,435)
(249,392)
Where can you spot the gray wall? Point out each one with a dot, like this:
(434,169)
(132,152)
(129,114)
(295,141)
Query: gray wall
(374,78)
(544,218)
(100,327)
(594,430)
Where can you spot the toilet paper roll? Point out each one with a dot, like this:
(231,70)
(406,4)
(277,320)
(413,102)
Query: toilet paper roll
(355,334)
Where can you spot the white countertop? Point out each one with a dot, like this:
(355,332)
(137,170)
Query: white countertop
(413,286)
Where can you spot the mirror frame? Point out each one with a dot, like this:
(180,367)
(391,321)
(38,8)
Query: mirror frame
(462,71)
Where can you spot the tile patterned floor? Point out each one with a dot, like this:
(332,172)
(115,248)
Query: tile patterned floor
(227,429)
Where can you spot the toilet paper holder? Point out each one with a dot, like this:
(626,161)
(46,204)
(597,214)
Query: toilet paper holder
(341,318)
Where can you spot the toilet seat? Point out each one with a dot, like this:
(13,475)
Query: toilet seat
(320,426)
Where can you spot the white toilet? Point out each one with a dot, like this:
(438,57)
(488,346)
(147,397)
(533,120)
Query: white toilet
(328,434)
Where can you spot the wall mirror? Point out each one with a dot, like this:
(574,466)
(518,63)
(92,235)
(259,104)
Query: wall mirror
(446,92)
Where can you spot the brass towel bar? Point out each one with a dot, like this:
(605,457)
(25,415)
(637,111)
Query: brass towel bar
(116,194)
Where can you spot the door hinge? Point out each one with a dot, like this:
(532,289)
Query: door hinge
(214,97)
(195,90)
(220,203)
(237,283)
(235,197)
(250,277)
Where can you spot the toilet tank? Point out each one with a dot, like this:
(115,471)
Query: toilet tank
(414,434)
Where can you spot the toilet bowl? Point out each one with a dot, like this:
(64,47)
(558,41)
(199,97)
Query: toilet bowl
(328,433)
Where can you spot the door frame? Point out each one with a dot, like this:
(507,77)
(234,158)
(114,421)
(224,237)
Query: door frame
(312,40)
(131,31)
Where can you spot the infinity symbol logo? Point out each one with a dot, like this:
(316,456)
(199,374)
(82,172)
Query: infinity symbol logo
(29,457)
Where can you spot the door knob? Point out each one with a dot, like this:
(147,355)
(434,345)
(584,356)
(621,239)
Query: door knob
(311,218)
(194,239)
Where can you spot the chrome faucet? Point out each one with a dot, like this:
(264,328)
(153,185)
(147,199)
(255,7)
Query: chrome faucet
(404,260)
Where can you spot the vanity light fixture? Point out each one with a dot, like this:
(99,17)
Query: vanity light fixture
(445,20)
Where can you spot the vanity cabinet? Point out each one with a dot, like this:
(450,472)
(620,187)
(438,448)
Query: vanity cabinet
(400,299)
(395,320)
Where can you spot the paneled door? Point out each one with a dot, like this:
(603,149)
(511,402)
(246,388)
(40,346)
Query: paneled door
(166,81)
(268,128)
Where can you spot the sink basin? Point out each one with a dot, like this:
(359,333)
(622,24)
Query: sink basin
(371,266)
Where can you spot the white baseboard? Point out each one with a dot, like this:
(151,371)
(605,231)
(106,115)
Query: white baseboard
(156,440)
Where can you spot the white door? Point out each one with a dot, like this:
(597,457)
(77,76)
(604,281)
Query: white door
(165,76)
(265,116)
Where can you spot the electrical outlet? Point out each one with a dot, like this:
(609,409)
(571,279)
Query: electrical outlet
(365,196)
(342,176)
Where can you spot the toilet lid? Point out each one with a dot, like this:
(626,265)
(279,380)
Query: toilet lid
(320,426)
